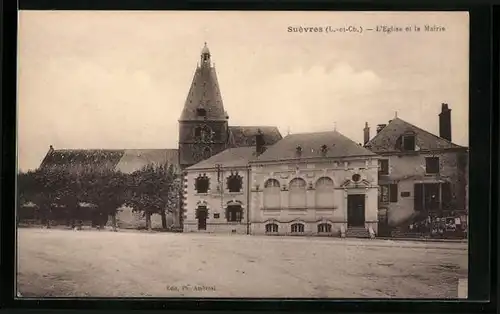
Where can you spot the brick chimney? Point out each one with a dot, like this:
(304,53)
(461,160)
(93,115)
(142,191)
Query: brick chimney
(259,143)
(445,122)
(366,134)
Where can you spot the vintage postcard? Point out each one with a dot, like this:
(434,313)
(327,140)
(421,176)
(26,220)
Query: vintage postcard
(235,154)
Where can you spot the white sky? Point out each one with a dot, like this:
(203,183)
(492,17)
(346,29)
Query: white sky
(119,79)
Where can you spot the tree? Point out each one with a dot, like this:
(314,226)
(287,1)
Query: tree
(152,190)
(50,189)
(107,191)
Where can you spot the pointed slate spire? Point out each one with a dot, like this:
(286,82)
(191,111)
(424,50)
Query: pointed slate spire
(204,100)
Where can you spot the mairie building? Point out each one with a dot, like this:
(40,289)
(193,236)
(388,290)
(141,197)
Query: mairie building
(305,184)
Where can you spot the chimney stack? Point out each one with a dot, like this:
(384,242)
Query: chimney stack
(445,122)
(259,143)
(366,134)
(380,127)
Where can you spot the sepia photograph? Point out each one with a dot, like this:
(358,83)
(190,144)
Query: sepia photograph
(241,154)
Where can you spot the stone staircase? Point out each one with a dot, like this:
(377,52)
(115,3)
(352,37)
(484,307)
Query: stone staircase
(357,232)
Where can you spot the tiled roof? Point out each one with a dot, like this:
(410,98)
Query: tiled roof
(387,139)
(337,145)
(125,160)
(135,159)
(241,136)
(231,157)
(81,159)
(204,93)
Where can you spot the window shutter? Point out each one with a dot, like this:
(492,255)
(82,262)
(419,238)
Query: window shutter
(446,195)
(418,195)
(393,193)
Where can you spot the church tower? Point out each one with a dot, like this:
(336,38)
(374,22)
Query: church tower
(203,125)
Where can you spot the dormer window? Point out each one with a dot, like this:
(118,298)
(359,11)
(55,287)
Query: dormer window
(408,141)
(324,150)
(298,151)
(201,112)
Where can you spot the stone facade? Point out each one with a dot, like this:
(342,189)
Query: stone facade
(217,200)
(422,176)
(405,171)
(328,184)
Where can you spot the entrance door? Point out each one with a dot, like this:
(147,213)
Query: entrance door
(202,217)
(356,210)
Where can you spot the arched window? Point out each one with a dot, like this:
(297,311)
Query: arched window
(234,183)
(324,193)
(297,193)
(272,194)
(201,184)
(271,228)
(324,228)
(297,228)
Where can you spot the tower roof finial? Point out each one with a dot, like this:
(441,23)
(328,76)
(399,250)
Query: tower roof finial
(205,49)
(395,114)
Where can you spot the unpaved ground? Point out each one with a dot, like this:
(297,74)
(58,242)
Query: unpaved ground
(55,263)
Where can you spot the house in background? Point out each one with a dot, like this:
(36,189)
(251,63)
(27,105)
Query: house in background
(421,175)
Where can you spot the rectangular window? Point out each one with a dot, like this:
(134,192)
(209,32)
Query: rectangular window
(409,142)
(388,193)
(383,167)
(432,197)
(393,193)
(234,213)
(432,165)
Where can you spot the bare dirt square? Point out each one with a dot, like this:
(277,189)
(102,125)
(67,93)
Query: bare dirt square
(57,263)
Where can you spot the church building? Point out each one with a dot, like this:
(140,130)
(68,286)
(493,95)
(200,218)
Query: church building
(204,131)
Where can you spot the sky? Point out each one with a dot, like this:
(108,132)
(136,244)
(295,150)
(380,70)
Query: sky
(119,79)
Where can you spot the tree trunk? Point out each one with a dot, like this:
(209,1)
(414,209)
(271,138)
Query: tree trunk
(113,221)
(163,219)
(49,217)
(148,221)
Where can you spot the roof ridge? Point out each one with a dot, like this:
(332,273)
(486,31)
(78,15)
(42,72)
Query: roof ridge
(428,132)
(419,129)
